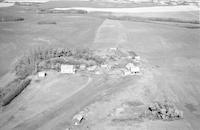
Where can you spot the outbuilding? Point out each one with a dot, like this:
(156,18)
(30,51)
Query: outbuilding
(42,74)
(137,58)
(82,67)
(126,72)
(67,69)
(132,68)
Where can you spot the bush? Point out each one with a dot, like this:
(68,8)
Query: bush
(98,59)
(24,67)
(10,19)
(28,63)
(163,111)
(46,22)
(82,53)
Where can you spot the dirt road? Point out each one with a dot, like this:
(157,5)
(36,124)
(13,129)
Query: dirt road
(57,116)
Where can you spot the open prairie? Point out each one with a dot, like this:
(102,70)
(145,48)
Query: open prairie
(170,68)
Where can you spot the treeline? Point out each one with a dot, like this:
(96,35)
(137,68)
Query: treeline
(51,58)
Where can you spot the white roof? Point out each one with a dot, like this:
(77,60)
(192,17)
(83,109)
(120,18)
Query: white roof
(132,67)
(129,65)
(42,74)
(67,69)
(82,66)
(135,69)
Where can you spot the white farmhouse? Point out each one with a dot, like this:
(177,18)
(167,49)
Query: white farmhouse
(67,69)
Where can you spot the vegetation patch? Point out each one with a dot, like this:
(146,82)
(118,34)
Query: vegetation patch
(163,111)
(27,3)
(137,112)
(113,60)
(173,20)
(13,89)
(50,58)
(148,19)
(44,59)
(69,11)
(10,19)
(193,27)
(46,22)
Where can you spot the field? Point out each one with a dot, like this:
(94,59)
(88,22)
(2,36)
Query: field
(170,69)
(18,37)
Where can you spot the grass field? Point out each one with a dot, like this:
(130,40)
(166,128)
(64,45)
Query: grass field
(170,61)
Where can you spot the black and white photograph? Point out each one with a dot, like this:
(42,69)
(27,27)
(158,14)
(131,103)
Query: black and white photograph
(99,64)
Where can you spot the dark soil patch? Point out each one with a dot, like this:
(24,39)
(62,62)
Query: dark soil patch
(126,120)
(10,19)
(143,19)
(27,4)
(46,22)
(134,103)
(163,111)
(70,11)
(193,27)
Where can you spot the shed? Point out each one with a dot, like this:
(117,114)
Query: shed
(114,49)
(67,69)
(129,66)
(82,67)
(126,72)
(137,58)
(42,74)
(78,118)
(133,68)
(104,66)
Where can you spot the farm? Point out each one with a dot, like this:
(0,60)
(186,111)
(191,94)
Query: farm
(79,69)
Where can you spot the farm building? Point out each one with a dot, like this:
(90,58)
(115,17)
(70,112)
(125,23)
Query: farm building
(132,68)
(67,69)
(42,74)
(82,67)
